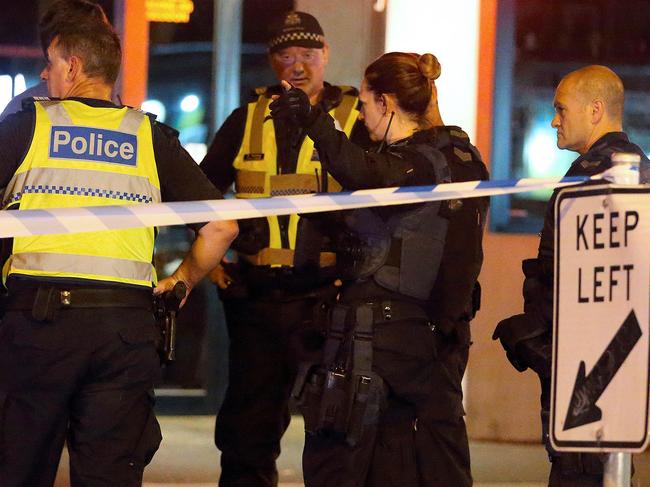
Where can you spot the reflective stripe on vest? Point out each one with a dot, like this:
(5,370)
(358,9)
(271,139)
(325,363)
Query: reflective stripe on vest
(60,265)
(257,169)
(86,156)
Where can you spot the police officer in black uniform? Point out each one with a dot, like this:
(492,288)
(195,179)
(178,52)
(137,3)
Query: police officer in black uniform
(78,356)
(384,404)
(268,299)
(588,119)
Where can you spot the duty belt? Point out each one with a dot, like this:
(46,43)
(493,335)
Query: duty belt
(45,301)
(393,310)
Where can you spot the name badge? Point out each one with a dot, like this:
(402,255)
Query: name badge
(259,156)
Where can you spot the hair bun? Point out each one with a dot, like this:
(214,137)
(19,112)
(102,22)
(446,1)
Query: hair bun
(429,66)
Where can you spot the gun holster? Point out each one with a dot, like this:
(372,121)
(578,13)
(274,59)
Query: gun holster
(342,395)
(166,307)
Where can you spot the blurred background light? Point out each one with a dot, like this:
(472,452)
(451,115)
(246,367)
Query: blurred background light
(6,90)
(157,108)
(540,151)
(19,84)
(190,103)
(448,30)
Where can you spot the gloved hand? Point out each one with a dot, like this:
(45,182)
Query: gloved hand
(293,105)
(527,342)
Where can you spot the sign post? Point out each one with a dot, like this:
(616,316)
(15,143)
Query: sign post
(601,336)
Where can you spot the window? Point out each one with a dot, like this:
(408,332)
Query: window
(538,43)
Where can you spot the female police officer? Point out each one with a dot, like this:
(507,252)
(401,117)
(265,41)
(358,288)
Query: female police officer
(384,406)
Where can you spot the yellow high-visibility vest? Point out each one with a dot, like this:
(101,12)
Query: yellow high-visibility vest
(257,172)
(86,156)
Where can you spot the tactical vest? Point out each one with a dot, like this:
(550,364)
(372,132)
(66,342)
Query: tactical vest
(257,174)
(456,294)
(401,253)
(85,156)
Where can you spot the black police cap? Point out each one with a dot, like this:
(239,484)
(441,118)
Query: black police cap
(296,29)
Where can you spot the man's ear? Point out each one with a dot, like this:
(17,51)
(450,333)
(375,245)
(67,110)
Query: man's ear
(597,111)
(75,68)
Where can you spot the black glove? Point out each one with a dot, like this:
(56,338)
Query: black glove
(527,341)
(293,105)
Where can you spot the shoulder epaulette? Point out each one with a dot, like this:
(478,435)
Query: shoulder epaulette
(29,101)
(167,130)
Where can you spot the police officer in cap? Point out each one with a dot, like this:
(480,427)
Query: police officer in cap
(589,120)
(268,297)
(78,356)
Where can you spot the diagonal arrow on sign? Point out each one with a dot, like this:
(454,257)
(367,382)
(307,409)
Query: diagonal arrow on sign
(587,390)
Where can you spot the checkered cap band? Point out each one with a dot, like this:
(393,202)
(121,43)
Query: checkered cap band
(305,39)
(296,29)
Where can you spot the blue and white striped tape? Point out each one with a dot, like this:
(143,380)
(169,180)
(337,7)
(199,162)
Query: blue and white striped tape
(88,219)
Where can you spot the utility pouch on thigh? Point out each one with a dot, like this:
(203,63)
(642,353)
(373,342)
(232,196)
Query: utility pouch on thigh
(334,405)
(343,396)
(367,392)
(317,405)
(47,302)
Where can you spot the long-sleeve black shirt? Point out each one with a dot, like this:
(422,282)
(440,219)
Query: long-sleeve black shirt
(399,164)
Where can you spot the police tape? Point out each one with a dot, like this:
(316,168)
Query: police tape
(23,223)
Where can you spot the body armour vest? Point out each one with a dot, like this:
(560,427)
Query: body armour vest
(401,252)
(257,174)
(85,156)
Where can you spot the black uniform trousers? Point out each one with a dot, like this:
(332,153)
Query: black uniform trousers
(269,336)
(420,439)
(87,377)
(569,469)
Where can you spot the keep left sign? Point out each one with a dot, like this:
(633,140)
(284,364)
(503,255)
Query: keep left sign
(601,341)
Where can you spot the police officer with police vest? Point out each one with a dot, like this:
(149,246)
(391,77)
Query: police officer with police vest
(268,295)
(589,120)
(78,356)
